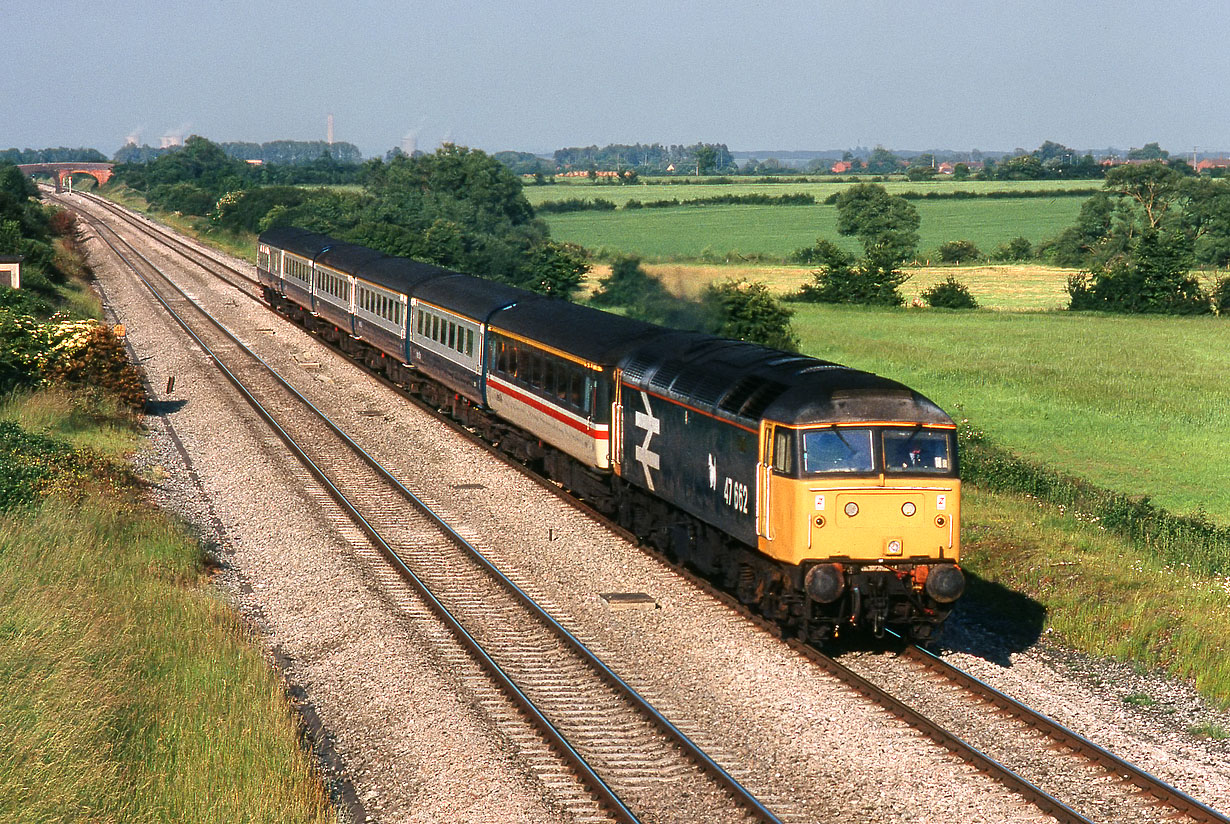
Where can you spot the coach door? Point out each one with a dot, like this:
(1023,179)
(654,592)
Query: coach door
(617,421)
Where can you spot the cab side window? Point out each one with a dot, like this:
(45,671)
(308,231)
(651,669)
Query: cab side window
(783,452)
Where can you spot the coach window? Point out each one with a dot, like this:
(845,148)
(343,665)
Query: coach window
(469,343)
(576,389)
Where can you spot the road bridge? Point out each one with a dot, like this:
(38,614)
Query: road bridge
(63,171)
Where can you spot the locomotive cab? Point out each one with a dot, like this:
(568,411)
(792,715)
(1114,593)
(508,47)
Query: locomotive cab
(868,511)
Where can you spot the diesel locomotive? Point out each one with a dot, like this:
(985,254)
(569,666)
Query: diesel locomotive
(822,496)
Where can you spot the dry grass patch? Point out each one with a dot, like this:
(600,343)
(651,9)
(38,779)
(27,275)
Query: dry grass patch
(1012,286)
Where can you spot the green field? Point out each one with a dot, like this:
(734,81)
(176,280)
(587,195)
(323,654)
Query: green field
(681,188)
(716,232)
(1137,404)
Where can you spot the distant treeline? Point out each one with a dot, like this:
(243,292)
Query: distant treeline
(274,153)
(57,155)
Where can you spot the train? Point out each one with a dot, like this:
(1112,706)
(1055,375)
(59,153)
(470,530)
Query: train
(823,497)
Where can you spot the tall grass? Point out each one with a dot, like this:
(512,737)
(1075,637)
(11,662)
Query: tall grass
(1101,593)
(129,691)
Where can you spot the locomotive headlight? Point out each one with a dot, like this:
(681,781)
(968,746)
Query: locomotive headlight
(851,509)
(894,547)
(908,509)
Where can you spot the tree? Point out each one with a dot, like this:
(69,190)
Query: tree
(1153,277)
(706,156)
(748,311)
(960,172)
(883,162)
(885,224)
(887,227)
(1151,151)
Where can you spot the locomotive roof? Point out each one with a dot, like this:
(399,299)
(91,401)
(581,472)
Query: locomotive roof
(472,297)
(300,241)
(747,382)
(595,336)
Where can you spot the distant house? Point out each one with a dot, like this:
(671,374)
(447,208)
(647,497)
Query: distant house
(1209,163)
(841,167)
(10,271)
(585,173)
(950,167)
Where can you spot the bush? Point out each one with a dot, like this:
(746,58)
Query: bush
(950,294)
(1154,278)
(842,279)
(1221,296)
(748,311)
(1019,248)
(577,204)
(184,198)
(959,251)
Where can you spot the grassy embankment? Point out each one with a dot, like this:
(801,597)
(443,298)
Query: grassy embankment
(131,691)
(1138,405)
(239,244)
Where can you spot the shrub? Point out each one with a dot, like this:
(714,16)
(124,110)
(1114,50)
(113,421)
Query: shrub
(1153,278)
(1019,248)
(950,294)
(959,251)
(577,204)
(748,311)
(1221,296)
(843,279)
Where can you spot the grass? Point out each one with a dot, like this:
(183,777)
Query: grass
(241,245)
(684,189)
(131,691)
(1101,595)
(1005,286)
(735,233)
(1136,404)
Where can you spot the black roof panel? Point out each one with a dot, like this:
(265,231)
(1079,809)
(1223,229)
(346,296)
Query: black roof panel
(401,274)
(472,297)
(299,241)
(590,334)
(348,258)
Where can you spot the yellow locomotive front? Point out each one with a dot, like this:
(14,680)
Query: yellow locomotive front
(868,513)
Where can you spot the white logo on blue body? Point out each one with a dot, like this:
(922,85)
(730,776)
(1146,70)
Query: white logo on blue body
(652,426)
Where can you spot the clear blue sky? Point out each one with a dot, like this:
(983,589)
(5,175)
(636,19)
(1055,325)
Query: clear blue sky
(537,75)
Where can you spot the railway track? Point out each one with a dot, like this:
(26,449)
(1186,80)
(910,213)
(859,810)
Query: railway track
(1154,798)
(1129,792)
(635,761)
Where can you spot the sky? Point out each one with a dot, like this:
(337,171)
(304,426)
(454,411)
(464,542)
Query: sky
(538,75)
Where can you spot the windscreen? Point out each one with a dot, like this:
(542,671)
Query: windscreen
(838,450)
(909,451)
